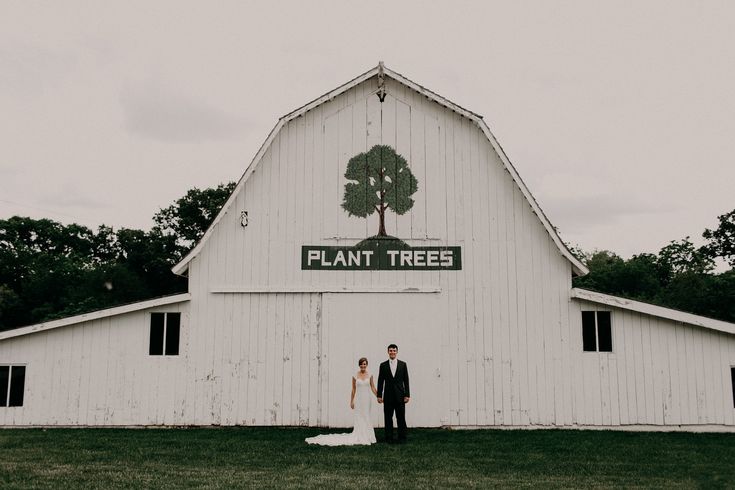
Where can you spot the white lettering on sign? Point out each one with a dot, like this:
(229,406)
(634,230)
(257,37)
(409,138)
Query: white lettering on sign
(357,258)
(420,258)
(313,255)
(339,259)
(352,258)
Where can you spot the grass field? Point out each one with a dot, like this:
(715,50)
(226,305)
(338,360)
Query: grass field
(278,457)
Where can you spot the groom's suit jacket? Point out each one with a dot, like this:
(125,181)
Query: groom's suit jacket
(393,388)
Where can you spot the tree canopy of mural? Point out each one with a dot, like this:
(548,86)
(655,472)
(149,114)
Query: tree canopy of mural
(379,179)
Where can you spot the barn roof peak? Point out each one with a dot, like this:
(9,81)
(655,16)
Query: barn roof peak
(381,71)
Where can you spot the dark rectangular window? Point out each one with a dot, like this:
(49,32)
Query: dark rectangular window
(732,378)
(596,331)
(165,334)
(157,329)
(589,336)
(604,331)
(12,385)
(17,384)
(4,384)
(173,324)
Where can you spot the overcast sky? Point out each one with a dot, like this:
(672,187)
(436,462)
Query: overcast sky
(619,116)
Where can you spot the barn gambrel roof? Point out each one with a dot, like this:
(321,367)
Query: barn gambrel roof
(380,70)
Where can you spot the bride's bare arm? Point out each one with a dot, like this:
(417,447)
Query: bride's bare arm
(372,386)
(352,396)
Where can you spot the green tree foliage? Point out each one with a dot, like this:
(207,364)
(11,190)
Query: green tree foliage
(38,260)
(188,217)
(639,277)
(721,241)
(680,276)
(682,257)
(49,270)
(380,179)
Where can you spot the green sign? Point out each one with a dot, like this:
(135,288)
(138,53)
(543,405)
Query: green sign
(385,256)
(378,180)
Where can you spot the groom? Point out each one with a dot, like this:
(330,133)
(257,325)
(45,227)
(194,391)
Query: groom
(393,376)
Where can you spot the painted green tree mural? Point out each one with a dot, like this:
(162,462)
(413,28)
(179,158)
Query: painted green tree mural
(380,179)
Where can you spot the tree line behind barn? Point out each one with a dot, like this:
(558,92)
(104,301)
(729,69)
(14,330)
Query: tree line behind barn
(50,270)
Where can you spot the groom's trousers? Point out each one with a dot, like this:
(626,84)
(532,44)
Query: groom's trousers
(400,410)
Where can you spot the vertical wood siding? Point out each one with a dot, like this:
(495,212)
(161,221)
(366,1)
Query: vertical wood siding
(500,344)
(660,372)
(262,365)
(98,373)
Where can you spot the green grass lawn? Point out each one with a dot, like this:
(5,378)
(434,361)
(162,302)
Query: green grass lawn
(278,457)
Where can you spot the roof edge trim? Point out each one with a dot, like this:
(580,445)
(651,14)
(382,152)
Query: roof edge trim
(654,310)
(577,266)
(331,94)
(94,315)
(182,267)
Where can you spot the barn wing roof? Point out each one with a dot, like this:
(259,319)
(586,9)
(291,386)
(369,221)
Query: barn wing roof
(577,265)
(649,309)
(95,315)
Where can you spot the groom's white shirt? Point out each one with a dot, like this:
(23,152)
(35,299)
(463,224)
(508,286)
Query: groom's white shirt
(393,364)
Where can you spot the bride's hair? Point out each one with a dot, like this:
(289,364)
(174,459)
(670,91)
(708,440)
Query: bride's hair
(360,361)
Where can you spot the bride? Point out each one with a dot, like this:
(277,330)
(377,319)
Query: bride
(360,401)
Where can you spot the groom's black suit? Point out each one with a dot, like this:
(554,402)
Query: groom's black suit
(392,389)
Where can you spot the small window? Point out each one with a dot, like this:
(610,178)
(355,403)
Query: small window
(732,379)
(165,334)
(596,331)
(12,385)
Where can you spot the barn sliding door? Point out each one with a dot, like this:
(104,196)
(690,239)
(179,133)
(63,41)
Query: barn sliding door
(362,325)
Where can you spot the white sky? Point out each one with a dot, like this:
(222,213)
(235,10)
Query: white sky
(620,116)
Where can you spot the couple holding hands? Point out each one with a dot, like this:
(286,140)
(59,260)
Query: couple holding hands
(392,392)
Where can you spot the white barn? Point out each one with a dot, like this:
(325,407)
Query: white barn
(279,310)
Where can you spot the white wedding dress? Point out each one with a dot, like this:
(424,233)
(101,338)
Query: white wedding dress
(362,431)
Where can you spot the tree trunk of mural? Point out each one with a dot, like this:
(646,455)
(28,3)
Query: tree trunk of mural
(381,206)
(381,214)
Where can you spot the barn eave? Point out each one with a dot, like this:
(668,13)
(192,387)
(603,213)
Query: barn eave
(654,310)
(95,315)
